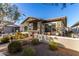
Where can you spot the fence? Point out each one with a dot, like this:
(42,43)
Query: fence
(71,43)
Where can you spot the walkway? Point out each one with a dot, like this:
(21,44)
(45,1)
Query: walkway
(3,48)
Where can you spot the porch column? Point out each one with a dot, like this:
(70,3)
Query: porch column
(30,28)
(43,28)
(39,27)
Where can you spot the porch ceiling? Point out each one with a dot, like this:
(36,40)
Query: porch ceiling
(47,21)
(33,20)
(37,20)
(54,20)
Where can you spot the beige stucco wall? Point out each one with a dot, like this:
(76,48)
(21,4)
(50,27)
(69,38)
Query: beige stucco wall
(25,24)
(58,24)
(71,43)
(67,42)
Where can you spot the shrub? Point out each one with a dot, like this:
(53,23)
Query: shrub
(35,41)
(14,47)
(19,35)
(53,45)
(5,40)
(12,37)
(26,35)
(24,42)
(28,51)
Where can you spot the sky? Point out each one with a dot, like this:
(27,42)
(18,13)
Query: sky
(46,11)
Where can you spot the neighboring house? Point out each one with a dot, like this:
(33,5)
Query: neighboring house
(75,29)
(8,27)
(11,29)
(41,26)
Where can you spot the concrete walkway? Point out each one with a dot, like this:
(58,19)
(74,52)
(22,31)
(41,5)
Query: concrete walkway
(2,54)
(3,48)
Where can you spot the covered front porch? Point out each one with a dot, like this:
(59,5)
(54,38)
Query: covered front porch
(47,27)
(43,27)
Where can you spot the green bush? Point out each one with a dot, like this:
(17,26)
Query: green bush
(5,40)
(14,47)
(35,41)
(28,51)
(53,45)
(24,42)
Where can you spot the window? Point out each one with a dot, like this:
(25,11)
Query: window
(25,28)
(47,28)
(34,26)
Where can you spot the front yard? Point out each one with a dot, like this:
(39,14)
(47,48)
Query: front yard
(33,47)
(42,49)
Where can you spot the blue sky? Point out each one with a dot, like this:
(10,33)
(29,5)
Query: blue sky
(47,11)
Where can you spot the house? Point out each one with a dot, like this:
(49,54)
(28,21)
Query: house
(11,29)
(75,29)
(8,27)
(41,26)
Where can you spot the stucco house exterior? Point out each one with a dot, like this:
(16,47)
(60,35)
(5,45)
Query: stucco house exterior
(75,29)
(41,26)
